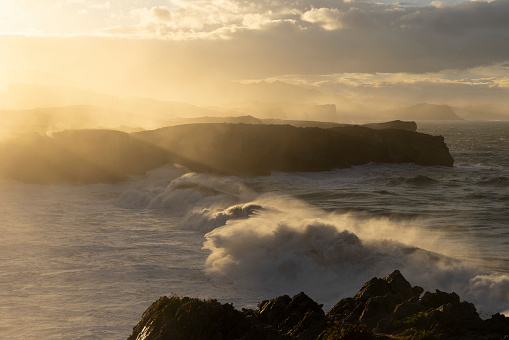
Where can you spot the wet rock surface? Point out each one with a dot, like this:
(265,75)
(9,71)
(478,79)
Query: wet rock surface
(388,308)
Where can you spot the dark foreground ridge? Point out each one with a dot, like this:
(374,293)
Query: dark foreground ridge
(92,156)
(388,308)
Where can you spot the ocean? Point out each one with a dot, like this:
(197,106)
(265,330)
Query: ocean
(85,261)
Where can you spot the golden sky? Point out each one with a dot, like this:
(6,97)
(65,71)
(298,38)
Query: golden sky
(347,47)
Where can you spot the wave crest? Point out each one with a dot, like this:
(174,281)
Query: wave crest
(329,256)
(178,191)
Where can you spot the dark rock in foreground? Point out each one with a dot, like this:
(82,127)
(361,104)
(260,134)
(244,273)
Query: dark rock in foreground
(388,308)
(92,156)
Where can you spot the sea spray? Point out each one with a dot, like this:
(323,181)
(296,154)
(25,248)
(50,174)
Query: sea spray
(177,190)
(288,246)
(277,244)
(208,219)
(489,292)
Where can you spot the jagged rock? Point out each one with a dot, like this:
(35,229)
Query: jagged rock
(377,308)
(188,318)
(436,313)
(388,308)
(407,309)
(453,319)
(437,299)
(376,299)
(374,287)
(300,317)
(342,309)
(401,286)
(497,324)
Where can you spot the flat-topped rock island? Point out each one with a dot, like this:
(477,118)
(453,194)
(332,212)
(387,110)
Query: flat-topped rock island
(93,156)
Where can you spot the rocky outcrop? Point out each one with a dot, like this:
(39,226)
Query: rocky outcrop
(190,318)
(391,306)
(233,149)
(388,308)
(297,318)
(241,149)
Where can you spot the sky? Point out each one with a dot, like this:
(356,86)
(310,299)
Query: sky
(437,51)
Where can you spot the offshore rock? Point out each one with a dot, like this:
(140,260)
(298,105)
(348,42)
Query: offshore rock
(93,156)
(388,308)
(247,149)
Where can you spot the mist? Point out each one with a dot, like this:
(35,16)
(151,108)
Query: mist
(128,84)
(278,244)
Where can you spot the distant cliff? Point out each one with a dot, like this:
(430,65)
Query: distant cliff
(388,308)
(395,124)
(92,156)
(423,112)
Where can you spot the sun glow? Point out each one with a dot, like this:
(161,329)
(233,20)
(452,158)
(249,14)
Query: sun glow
(358,56)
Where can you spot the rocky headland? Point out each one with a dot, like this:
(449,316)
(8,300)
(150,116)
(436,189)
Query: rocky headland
(92,156)
(388,308)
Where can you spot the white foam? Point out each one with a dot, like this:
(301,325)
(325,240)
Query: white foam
(179,191)
(290,247)
(489,292)
(280,245)
(208,219)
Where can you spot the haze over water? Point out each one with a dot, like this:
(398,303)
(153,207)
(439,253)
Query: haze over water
(83,261)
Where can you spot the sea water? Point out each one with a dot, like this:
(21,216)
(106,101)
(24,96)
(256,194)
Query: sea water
(85,261)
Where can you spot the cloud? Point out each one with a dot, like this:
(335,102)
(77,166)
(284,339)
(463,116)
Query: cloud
(258,39)
(89,4)
(488,84)
(439,4)
(345,37)
(216,19)
(328,18)
(255,21)
(161,14)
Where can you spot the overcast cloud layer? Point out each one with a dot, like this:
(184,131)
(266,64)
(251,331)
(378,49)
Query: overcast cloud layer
(309,36)
(333,45)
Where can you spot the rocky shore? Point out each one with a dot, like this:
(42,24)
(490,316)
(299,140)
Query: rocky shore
(388,308)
